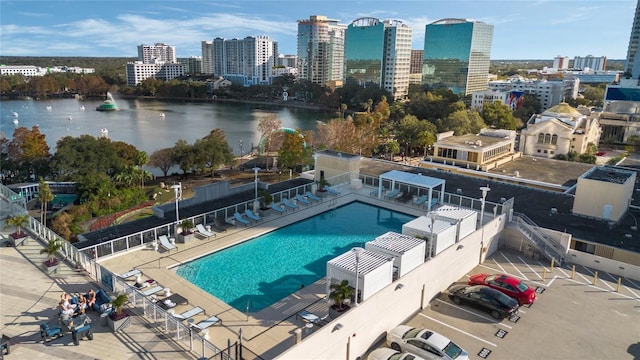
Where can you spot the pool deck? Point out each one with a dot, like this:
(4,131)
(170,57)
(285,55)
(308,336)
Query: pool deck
(270,331)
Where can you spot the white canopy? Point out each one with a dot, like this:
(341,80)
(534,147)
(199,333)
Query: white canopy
(417,180)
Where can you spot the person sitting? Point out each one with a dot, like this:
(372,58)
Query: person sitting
(65,311)
(92,299)
(65,299)
(82,305)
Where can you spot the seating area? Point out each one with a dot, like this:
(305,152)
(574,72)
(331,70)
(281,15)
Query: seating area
(204,324)
(129,274)
(278,208)
(312,197)
(189,313)
(309,317)
(239,218)
(302,200)
(420,200)
(252,216)
(221,224)
(332,191)
(166,244)
(392,194)
(204,232)
(289,204)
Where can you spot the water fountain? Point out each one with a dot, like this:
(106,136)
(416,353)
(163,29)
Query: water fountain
(108,105)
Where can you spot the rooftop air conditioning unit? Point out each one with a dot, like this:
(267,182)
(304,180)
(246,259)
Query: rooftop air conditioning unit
(554,211)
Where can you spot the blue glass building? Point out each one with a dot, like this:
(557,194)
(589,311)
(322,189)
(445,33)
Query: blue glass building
(456,55)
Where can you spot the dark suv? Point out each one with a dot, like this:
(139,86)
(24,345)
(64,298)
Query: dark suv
(484,298)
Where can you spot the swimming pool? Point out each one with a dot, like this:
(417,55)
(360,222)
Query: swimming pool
(272,266)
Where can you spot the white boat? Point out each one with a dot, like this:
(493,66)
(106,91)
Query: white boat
(15,114)
(16,122)
(49,108)
(82,107)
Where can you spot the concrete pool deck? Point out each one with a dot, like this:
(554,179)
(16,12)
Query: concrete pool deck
(270,331)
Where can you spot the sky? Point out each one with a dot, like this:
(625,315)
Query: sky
(536,29)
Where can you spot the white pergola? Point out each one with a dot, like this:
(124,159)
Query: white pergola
(417,180)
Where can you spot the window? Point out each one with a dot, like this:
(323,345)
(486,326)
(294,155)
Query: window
(554,139)
(547,138)
(540,138)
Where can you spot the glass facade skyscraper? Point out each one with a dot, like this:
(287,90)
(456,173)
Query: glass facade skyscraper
(457,55)
(378,53)
(632,63)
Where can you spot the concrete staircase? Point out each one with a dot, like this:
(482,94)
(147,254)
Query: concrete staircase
(30,249)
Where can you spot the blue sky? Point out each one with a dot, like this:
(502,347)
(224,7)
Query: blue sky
(522,29)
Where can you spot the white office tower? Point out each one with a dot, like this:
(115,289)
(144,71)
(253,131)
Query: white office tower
(594,63)
(321,50)
(207,57)
(151,54)
(561,62)
(397,58)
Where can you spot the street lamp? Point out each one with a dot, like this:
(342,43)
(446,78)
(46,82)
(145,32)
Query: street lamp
(433,222)
(241,146)
(177,189)
(255,202)
(485,190)
(358,251)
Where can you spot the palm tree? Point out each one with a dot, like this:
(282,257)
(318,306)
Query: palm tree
(51,250)
(19,221)
(141,159)
(44,196)
(340,292)
(118,304)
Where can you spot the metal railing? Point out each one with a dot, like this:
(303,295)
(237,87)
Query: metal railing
(544,243)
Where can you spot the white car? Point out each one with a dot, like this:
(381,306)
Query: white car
(424,343)
(390,354)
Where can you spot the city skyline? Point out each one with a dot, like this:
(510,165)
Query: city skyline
(522,29)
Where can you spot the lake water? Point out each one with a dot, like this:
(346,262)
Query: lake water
(140,122)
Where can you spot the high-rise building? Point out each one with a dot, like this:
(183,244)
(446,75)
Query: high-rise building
(561,62)
(457,55)
(415,68)
(321,50)
(632,64)
(378,53)
(137,71)
(207,57)
(247,61)
(150,54)
(597,63)
(192,65)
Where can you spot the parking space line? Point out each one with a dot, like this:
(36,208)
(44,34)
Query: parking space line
(588,270)
(530,268)
(604,290)
(562,271)
(459,330)
(543,266)
(629,290)
(515,267)
(606,282)
(583,277)
(500,266)
(633,283)
(490,268)
(473,313)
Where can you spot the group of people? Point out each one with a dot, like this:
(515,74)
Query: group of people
(78,306)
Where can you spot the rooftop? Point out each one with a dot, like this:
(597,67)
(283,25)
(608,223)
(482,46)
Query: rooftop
(609,174)
(472,141)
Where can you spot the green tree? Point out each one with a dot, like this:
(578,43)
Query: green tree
(53,246)
(340,292)
(183,156)
(415,133)
(140,160)
(462,122)
(498,115)
(27,148)
(292,151)
(212,151)
(45,195)
(18,221)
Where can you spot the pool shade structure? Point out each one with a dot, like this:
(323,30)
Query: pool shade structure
(442,236)
(375,271)
(418,182)
(407,251)
(465,219)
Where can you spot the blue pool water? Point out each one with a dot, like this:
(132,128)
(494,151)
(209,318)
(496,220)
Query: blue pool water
(268,268)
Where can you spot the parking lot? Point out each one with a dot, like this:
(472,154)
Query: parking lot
(570,319)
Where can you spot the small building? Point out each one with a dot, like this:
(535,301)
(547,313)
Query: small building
(408,252)
(475,151)
(604,193)
(559,130)
(375,271)
(334,163)
(464,219)
(441,236)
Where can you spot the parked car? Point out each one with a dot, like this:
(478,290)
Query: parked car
(390,354)
(507,285)
(424,343)
(484,298)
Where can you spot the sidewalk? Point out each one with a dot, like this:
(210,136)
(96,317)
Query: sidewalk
(29,297)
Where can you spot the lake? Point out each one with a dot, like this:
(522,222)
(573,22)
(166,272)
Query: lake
(150,125)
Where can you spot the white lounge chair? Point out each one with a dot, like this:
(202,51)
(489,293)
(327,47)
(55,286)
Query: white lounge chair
(207,323)
(301,199)
(289,204)
(166,244)
(312,197)
(189,313)
(278,208)
(129,274)
(204,231)
(332,191)
(240,219)
(309,317)
(252,216)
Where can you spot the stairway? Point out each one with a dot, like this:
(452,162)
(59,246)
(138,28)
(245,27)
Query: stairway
(31,251)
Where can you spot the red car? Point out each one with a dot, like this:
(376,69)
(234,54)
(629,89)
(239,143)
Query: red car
(508,285)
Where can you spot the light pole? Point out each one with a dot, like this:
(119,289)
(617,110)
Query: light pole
(358,251)
(241,146)
(433,222)
(177,189)
(485,190)
(255,202)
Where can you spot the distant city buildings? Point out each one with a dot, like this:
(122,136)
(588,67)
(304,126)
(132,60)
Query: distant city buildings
(321,43)
(548,92)
(457,55)
(378,54)
(590,62)
(248,61)
(511,98)
(207,57)
(192,65)
(150,54)
(158,61)
(415,67)
(561,62)
(29,70)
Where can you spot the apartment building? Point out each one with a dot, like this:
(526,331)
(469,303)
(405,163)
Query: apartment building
(321,44)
